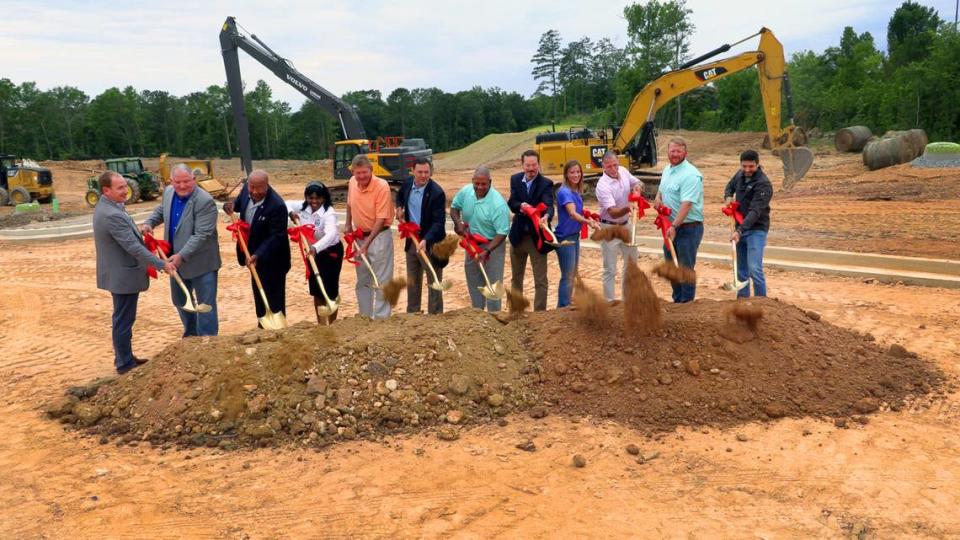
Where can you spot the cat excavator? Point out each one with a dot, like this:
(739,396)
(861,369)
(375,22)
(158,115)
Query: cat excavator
(634,141)
(392,157)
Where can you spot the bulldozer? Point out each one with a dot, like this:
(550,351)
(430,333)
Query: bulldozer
(635,140)
(202,172)
(141,183)
(23,180)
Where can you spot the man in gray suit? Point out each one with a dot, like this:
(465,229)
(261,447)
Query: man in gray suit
(191,218)
(122,262)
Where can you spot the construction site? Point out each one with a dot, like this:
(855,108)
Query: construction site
(827,409)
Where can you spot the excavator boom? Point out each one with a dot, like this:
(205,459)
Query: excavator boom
(771,69)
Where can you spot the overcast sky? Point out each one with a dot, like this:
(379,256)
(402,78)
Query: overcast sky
(173,45)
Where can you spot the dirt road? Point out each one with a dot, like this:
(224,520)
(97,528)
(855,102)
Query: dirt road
(893,477)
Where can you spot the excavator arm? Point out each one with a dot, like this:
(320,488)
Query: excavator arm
(771,69)
(230,40)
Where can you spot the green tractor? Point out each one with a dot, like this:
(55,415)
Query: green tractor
(22,181)
(141,184)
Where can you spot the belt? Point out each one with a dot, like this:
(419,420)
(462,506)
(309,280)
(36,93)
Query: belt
(608,222)
(690,224)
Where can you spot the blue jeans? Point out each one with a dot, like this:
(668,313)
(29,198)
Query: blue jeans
(686,242)
(124,315)
(197,324)
(569,257)
(750,262)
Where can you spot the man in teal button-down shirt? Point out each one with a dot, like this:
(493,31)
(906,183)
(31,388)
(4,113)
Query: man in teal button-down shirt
(681,190)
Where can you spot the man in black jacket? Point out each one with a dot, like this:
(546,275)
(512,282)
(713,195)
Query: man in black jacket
(264,209)
(528,189)
(752,190)
(422,201)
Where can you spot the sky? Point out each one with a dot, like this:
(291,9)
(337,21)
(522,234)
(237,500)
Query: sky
(343,46)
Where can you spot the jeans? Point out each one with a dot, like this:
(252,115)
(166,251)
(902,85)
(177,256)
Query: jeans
(518,266)
(569,258)
(494,269)
(610,250)
(205,287)
(750,262)
(686,242)
(416,269)
(124,315)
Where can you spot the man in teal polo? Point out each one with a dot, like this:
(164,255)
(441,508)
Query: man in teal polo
(479,209)
(681,190)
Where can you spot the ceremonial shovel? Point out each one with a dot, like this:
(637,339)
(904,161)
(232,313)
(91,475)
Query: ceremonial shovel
(332,306)
(270,320)
(490,292)
(736,284)
(190,304)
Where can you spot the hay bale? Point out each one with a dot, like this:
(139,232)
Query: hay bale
(887,152)
(852,139)
(916,140)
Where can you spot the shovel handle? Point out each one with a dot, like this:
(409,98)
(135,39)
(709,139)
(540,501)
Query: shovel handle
(176,277)
(313,264)
(253,270)
(366,262)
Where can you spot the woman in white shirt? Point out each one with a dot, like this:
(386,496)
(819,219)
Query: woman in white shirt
(325,247)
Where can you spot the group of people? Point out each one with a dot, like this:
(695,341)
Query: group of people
(479,213)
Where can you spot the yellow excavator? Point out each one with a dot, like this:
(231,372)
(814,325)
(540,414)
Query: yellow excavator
(635,142)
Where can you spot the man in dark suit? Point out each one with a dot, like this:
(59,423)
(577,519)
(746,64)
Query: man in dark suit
(422,201)
(264,209)
(122,261)
(528,189)
(191,218)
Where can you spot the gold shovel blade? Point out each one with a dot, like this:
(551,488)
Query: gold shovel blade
(273,321)
(444,286)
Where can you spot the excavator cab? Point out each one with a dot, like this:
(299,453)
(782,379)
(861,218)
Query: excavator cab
(343,156)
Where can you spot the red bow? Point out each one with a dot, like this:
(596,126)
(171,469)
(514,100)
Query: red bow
(240,227)
(409,229)
(583,226)
(153,245)
(641,203)
(308,231)
(663,222)
(733,209)
(534,212)
(471,243)
(349,239)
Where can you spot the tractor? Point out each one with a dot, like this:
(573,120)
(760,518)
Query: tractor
(22,180)
(141,183)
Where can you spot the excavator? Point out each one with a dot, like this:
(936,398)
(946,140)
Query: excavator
(635,142)
(392,157)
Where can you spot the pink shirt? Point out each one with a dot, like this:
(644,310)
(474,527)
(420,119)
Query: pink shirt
(613,193)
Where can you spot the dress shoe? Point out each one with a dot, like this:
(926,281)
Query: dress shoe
(140,361)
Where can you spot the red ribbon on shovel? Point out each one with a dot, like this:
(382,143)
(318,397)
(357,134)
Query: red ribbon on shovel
(153,244)
(583,226)
(409,229)
(350,254)
(641,203)
(733,209)
(471,243)
(663,222)
(307,230)
(240,228)
(534,213)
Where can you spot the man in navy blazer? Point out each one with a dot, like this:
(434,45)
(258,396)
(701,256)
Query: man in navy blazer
(529,188)
(422,201)
(264,209)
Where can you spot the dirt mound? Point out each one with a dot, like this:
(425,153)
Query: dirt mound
(705,369)
(314,385)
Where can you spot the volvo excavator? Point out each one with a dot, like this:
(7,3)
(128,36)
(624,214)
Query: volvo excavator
(635,143)
(392,157)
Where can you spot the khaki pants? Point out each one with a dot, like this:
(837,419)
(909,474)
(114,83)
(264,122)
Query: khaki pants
(518,266)
(370,302)
(416,269)
(611,250)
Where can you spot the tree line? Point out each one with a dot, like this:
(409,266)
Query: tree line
(910,84)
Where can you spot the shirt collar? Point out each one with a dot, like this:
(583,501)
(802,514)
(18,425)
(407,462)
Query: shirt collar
(185,198)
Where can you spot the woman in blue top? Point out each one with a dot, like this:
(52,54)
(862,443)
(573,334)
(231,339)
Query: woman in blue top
(570,219)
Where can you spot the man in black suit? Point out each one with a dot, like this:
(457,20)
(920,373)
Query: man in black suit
(264,209)
(422,201)
(528,189)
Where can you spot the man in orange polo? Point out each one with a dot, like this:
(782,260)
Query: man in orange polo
(370,208)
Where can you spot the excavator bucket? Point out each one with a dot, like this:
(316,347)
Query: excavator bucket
(796,162)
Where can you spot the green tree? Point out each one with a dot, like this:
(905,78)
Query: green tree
(546,66)
(911,33)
